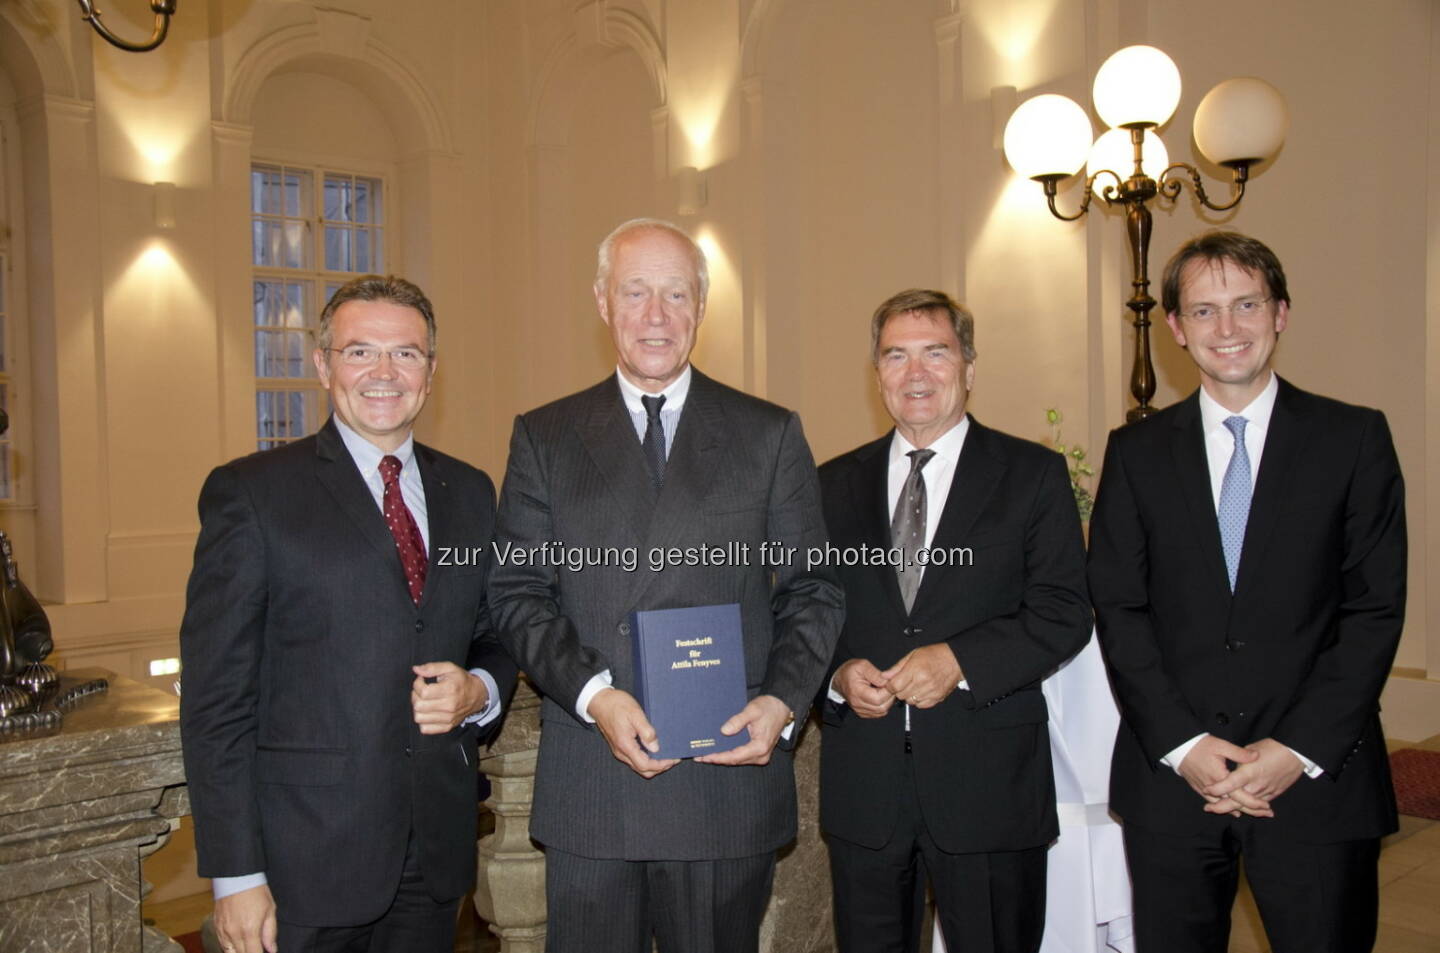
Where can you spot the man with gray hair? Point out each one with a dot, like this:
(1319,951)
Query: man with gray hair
(935,759)
(660,458)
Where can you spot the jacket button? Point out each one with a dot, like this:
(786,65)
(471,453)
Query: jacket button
(624,628)
(419,625)
(1221,718)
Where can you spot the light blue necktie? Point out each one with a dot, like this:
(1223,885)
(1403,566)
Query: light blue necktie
(1235,489)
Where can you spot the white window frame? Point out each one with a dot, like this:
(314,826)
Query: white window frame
(317,281)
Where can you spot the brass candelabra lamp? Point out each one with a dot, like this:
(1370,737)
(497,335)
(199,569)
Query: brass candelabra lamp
(163,10)
(1239,123)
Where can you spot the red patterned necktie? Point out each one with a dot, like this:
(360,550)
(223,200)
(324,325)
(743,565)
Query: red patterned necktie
(408,540)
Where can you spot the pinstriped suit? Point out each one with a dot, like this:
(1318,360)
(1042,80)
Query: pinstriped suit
(739,471)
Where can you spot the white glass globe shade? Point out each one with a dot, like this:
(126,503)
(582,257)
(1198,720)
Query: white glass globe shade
(1242,119)
(1138,84)
(1047,135)
(1114,151)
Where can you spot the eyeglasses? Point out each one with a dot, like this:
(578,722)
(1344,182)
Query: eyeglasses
(1240,308)
(364,355)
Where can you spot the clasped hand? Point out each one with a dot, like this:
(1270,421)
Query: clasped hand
(923,678)
(1263,771)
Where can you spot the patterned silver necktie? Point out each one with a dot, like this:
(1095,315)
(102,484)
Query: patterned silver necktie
(907,527)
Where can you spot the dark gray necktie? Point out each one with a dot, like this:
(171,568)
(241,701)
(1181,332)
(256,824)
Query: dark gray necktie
(907,527)
(654,439)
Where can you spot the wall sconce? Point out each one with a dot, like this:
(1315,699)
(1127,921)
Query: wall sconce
(163,10)
(165,205)
(692,191)
(1239,123)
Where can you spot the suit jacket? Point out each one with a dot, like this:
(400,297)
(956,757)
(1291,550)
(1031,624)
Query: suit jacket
(981,758)
(301,752)
(1301,650)
(739,472)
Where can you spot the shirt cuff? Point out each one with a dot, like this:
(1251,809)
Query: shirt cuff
(1173,759)
(1312,770)
(592,688)
(225,886)
(491,711)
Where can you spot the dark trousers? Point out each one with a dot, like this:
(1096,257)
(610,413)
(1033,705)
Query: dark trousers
(985,902)
(1313,898)
(616,906)
(415,923)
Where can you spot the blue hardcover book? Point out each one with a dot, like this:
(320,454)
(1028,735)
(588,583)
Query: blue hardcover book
(690,676)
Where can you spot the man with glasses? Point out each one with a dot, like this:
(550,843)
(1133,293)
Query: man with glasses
(336,663)
(1247,566)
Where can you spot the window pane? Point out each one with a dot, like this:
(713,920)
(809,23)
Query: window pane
(262,353)
(363,189)
(337,248)
(296,245)
(305,412)
(297,194)
(362,251)
(265,418)
(299,354)
(337,199)
(297,309)
(265,193)
(268,298)
(376,213)
(377,251)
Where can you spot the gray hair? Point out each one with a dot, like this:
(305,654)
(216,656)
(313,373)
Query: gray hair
(607,250)
(961,321)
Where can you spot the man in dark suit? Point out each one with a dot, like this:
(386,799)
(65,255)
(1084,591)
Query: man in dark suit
(1248,634)
(935,750)
(659,456)
(337,653)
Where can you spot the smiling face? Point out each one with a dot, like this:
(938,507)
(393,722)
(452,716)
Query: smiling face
(379,402)
(1232,352)
(924,378)
(652,305)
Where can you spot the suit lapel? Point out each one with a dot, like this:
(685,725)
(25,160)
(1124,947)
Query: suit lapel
(439,505)
(1283,440)
(1187,449)
(609,438)
(977,474)
(341,478)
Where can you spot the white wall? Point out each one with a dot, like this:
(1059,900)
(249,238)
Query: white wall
(849,149)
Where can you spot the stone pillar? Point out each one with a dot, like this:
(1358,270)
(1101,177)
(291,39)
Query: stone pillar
(798,919)
(79,808)
(510,883)
(510,891)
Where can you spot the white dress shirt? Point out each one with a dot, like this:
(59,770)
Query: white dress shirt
(939,474)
